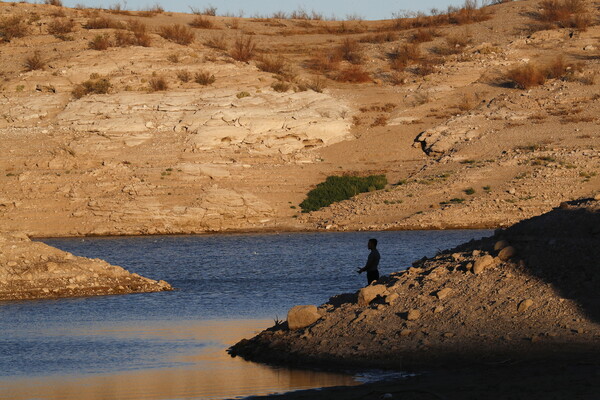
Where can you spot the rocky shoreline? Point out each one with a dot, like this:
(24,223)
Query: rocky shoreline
(34,270)
(527,295)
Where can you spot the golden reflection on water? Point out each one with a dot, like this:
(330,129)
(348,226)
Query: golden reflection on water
(213,374)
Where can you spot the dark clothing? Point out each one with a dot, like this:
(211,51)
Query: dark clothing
(372,261)
(372,276)
(371,266)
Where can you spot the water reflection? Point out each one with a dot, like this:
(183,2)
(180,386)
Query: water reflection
(201,368)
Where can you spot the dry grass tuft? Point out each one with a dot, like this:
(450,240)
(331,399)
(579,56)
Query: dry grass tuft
(404,55)
(272,64)
(91,86)
(60,26)
(323,62)
(281,87)
(184,76)
(217,42)
(202,23)
(243,48)
(565,13)
(177,33)
(204,78)
(423,35)
(13,27)
(100,42)
(34,61)
(57,3)
(353,74)
(350,51)
(533,74)
(380,37)
(158,84)
(103,23)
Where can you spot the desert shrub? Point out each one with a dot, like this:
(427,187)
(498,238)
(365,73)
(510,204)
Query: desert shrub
(526,76)
(103,23)
(57,3)
(91,86)
(534,74)
(468,14)
(423,35)
(560,11)
(353,74)
(216,42)
(60,26)
(402,56)
(425,67)
(157,84)
(316,85)
(338,188)
(100,42)
(243,48)
(454,44)
(350,51)
(13,27)
(34,61)
(204,78)
(140,36)
(124,38)
(177,33)
(184,76)
(272,64)
(323,62)
(241,95)
(202,23)
(209,10)
(281,86)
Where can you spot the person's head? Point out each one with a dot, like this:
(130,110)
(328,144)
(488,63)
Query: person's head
(372,244)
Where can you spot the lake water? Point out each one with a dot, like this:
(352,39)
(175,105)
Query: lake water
(171,345)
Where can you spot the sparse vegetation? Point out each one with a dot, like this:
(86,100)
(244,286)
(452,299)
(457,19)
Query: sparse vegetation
(534,74)
(100,42)
(91,86)
(350,51)
(243,48)
(202,23)
(241,95)
(217,42)
(469,191)
(103,23)
(35,61)
(13,27)
(184,76)
(564,14)
(60,26)
(272,64)
(204,78)
(338,188)
(177,33)
(57,3)
(158,83)
(280,86)
(353,74)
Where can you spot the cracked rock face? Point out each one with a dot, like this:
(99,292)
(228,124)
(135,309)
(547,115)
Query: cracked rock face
(216,119)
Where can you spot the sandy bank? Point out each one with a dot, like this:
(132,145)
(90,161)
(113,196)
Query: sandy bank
(33,270)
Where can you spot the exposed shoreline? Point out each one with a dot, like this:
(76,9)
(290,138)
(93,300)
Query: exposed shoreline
(524,300)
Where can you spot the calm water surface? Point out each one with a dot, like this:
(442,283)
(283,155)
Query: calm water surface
(171,345)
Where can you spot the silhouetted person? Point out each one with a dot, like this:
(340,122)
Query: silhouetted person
(372,262)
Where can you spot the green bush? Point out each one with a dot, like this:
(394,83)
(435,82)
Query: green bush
(338,188)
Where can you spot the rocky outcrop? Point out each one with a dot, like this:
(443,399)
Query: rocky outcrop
(542,302)
(216,119)
(302,316)
(34,270)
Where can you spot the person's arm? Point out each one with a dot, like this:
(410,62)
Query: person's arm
(370,261)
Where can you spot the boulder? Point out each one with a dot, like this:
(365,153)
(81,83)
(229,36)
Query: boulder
(442,294)
(302,316)
(507,253)
(500,244)
(482,263)
(367,294)
(413,315)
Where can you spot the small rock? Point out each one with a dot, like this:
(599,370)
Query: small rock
(442,294)
(302,316)
(482,263)
(476,253)
(589,47)
(448,334)
(438,309)
(405,332)
(507,253)
(524,305)
(413,315)
(391,298)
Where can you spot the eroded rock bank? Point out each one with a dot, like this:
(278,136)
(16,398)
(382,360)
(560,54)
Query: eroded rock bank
(34,270)
(529,292)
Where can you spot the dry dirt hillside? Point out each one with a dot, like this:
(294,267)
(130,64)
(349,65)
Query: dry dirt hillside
(119,122)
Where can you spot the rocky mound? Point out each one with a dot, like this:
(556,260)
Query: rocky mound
(33,270)
(528,292)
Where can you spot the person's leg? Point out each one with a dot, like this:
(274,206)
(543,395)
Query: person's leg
(372,276)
